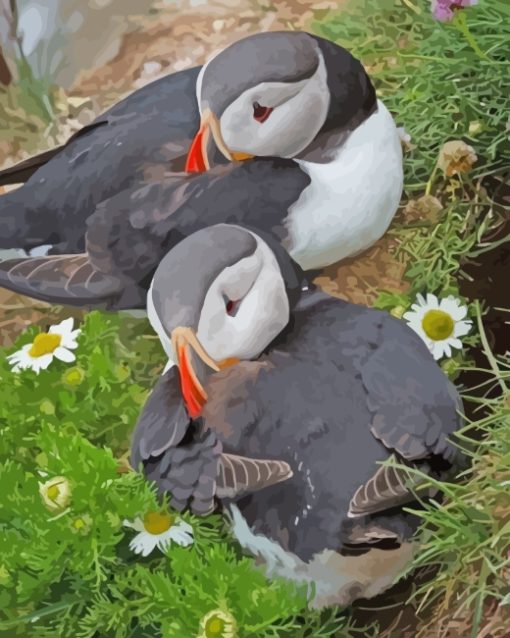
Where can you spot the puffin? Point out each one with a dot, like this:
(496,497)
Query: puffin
(312,422)
(281,131)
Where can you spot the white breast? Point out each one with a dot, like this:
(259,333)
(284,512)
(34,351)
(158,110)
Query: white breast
(351,200)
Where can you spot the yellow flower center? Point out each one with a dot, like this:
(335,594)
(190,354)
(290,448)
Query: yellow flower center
(157,522)
(79,523)
(438,325)
(214,627)
(53,492)
(44,343)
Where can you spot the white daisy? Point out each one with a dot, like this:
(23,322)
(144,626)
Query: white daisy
(56,343)
(218,624)
(439,323)
(159,529)
(56,493)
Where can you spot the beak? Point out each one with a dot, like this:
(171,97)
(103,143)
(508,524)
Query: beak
(197,161)
(195,397)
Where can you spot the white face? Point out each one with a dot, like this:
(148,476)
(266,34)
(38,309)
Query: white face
(258,309)
(299,111)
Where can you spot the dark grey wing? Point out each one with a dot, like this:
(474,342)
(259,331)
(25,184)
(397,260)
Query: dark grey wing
(415,411)
(415,407)
(129,233)
(150,129)
(185,459)
(154,99)
(67,279)
(163,422)
(21,171)
(174,451)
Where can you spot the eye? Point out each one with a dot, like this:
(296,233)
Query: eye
(232,307)
(261,113)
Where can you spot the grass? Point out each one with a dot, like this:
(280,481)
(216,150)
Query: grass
(75,421)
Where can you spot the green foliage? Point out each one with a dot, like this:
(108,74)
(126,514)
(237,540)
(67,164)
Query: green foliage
(467,537)
(431,78)
(55,580)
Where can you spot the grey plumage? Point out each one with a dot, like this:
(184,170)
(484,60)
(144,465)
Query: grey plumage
(165,421)
(116,192)
(142,135)
(130,233)
(186,460)
(321,400)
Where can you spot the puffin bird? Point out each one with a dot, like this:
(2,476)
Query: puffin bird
(325,180)
(283,404)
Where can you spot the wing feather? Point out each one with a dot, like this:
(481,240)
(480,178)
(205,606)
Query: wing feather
(69,279)
(239,474)
(389,487)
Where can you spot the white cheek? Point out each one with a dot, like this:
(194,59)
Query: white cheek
(261,317)
(289,129)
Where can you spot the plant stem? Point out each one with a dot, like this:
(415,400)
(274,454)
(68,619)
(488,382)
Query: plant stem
(487,350)
(46,611)
(460,22)
(430,182)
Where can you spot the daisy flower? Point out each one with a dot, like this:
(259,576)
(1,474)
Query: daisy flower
(56,493)
(439,323)
(81,524)
(158,529)
(218,624)
(56,343)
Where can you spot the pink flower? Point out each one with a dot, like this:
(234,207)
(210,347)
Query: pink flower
(443,10)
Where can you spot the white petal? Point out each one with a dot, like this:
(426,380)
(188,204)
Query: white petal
(436,349)
(69,342)
(462,328)
(421,300)
(185,527)
(42,362)
(415,324)
(164,544)
(64,327)
(149,546)
(455,343)
(417,327)
(64,355)
(447,348)
(432,301)
(410,316)
(137,524)
(453,307)
(15,357)
(180,537)
(142,544)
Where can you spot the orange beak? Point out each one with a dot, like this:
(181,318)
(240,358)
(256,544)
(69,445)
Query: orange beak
(197,161)
(193,393)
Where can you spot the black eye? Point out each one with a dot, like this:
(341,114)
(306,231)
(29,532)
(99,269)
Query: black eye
(231,307)
(261,113)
